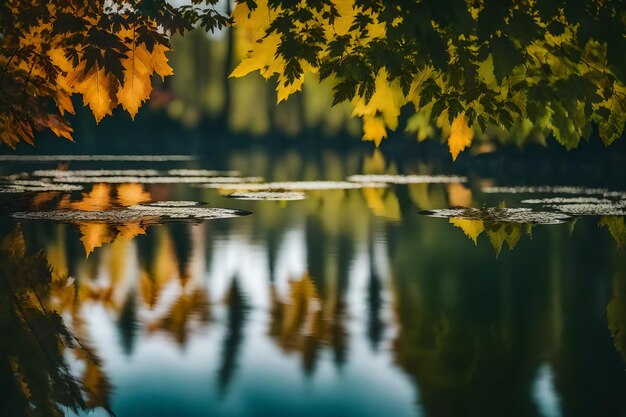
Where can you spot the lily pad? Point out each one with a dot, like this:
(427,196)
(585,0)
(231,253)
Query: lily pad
(545,189)
(269,195)
(566,200)
(28,186)
(201,173)
(116,158)
(133,214)
(407,179)
(157,180)
(603,209)
(173,204)
(57,173)
(295,186)
(500,215)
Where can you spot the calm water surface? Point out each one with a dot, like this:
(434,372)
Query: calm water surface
(347,303)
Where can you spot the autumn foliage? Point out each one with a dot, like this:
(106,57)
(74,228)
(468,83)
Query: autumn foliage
(104,51)
(543,67)
(548,68)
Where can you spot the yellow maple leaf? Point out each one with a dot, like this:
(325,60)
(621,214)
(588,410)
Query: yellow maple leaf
(136,87)
(98,89)
(382,110)
(64,89)
(158,61)
(251,25)
(386,101)
(471,228)
(374,129)
(461,136)
(261,57)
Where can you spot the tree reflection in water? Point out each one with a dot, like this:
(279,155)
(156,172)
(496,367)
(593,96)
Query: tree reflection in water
(37,349)
(488,329)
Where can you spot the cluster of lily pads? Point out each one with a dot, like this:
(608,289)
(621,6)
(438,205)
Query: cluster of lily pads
(230,183)
(254,188)
(568,203)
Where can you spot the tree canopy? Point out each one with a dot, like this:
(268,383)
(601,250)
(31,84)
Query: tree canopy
(551,67)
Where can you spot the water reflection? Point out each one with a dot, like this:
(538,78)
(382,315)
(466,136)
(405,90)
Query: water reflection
(44,369)
(346,303)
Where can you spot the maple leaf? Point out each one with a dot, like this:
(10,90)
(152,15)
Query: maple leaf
(471,228)
(158,61)
(98,89)
(461,136)
(137,86)
(58,125)
(64,89)
(374,129)
(261,57)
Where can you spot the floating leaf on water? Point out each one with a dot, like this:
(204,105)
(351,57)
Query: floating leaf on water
(28,186)
(610,209)
(269,195)
(57,173)
(615,194)
(173,204)
(157,180)
(137,213)
(202,173)
(116,158)
(500,215)
(566,200)
(407,179)
(295,186)
(545,189)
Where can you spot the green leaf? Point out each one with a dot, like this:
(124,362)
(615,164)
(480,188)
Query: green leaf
(505,57)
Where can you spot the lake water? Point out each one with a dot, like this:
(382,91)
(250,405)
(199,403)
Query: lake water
(339,302)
